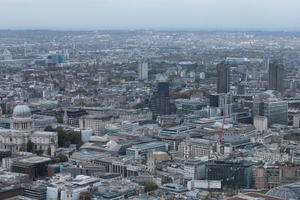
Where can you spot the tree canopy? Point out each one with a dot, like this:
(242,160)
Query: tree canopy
(150,187)
(66,137)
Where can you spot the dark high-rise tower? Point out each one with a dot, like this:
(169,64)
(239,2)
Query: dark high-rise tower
(276,75)
(160,103)
(163,88)
(223,84)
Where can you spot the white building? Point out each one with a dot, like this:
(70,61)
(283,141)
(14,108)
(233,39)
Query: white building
(143,71)
(261,123)
(63,187)
(296,121)
(95,123)
(22,131)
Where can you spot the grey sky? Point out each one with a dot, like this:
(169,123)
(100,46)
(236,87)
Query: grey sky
(155,14)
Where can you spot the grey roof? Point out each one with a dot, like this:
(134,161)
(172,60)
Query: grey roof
(286,192)
(21,111)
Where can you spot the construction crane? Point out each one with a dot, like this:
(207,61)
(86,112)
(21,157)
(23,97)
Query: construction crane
(221,131)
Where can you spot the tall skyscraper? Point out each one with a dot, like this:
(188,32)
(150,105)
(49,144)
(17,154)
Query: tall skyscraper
(160,103)
(143,71)
(276,75)
(223,83)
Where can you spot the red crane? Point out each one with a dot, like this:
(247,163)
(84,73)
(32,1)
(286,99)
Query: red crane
(221,131)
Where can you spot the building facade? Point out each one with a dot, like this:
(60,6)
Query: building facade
(276,75)
(143,71)
(223,84)
(274,109)
(160,102)
(22,131)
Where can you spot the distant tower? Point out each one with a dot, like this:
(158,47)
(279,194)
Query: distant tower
(223,83)
(143,71)
(66,118)
(276,75)
(25,52)
(267,64)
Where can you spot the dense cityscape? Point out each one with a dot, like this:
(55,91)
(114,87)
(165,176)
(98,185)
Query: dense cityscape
(154,115)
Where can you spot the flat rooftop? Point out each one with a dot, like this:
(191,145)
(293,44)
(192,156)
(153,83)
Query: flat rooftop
(34,160)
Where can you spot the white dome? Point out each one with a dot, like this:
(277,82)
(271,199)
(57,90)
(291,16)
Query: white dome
(21,111)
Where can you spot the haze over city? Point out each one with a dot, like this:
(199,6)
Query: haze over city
(271,15)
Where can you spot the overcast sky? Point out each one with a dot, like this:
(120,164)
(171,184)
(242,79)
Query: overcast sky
(151,14)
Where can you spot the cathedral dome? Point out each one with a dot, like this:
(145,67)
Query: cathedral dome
(21,111)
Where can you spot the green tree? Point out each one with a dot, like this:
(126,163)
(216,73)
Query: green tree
(65,138)
(59,119)
(39,152)
(49,151)
(49,128)
(150,187)
(62,158)
(23,147)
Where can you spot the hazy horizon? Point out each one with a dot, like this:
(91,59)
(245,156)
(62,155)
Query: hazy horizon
(192,15)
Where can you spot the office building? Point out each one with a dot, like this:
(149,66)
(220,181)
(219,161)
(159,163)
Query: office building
(95,123)
(232,174)
(143,149)
(34,166)
(35,191)
(214,100)
(223,82)
(275,110)
(160,102)
(143,71)
(276,75)
(194,169)
(269,104)
(195,147)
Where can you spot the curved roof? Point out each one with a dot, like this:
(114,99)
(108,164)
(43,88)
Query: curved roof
(286,192)
(21,111)
(267,94)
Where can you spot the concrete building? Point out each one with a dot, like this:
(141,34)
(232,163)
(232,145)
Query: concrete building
(143,71)
(261,123)
(36,191)
(34,166)
(204,184)
(194,169)
(270,176)
(296,121)
(64,187)
(195,147)
(143,149)
(95,123)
